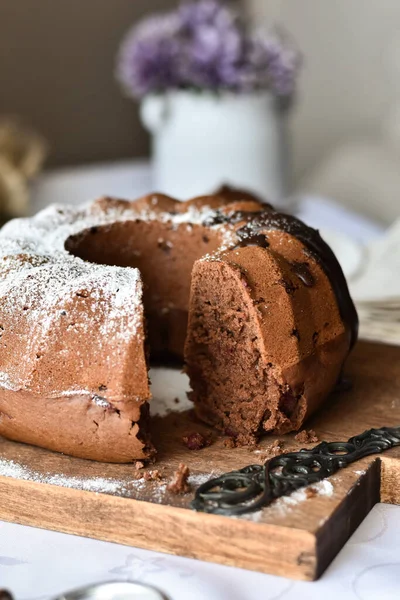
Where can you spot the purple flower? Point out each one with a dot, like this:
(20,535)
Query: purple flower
(213,44)
(203,12)
(149,56)
(276,62)
(271,64)
(204,45)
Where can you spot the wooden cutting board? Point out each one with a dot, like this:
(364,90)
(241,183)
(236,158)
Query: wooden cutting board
(296,537)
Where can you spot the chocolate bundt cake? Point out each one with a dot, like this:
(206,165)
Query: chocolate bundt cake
(259,298)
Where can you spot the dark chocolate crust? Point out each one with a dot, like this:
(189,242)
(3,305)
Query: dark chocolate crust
(271,220)
(265,219)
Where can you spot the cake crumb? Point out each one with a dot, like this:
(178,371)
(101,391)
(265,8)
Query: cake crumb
(139,465)
(230,442)
(311,492)
(196,441)
(246,440)
(240,440)
(179,482)
(275,448)
(153,475)
(176,400)
(306,437)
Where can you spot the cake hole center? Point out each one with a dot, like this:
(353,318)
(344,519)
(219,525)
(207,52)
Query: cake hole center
(164,253)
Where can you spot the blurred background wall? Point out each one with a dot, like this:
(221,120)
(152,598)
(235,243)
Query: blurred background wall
(350,83)
(57,60)
(56,69)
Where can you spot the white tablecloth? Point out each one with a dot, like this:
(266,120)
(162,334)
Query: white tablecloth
(37,564)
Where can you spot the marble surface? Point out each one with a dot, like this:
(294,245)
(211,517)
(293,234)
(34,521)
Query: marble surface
(37,564)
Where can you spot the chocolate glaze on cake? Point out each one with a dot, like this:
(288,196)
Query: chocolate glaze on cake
(259,298)
(320,251)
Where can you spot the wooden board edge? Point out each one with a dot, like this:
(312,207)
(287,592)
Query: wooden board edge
(350,513)
(390,483)
(229,541)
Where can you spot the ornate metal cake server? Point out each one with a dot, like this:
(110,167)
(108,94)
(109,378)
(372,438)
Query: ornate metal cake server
(256,486)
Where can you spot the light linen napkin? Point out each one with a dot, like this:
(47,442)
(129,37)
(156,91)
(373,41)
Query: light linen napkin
(376,291)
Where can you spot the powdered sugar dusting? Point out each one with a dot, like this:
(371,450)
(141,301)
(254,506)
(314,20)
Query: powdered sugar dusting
(322,488)
(287,503)
(10,468)
(199,478)
(47,231)
(6,383)
(40,280)
(133,488)
(42,298)
(155,492)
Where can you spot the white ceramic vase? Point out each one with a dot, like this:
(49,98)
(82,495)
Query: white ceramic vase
(202,140)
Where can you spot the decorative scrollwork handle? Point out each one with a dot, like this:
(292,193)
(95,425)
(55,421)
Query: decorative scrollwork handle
(256,486)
